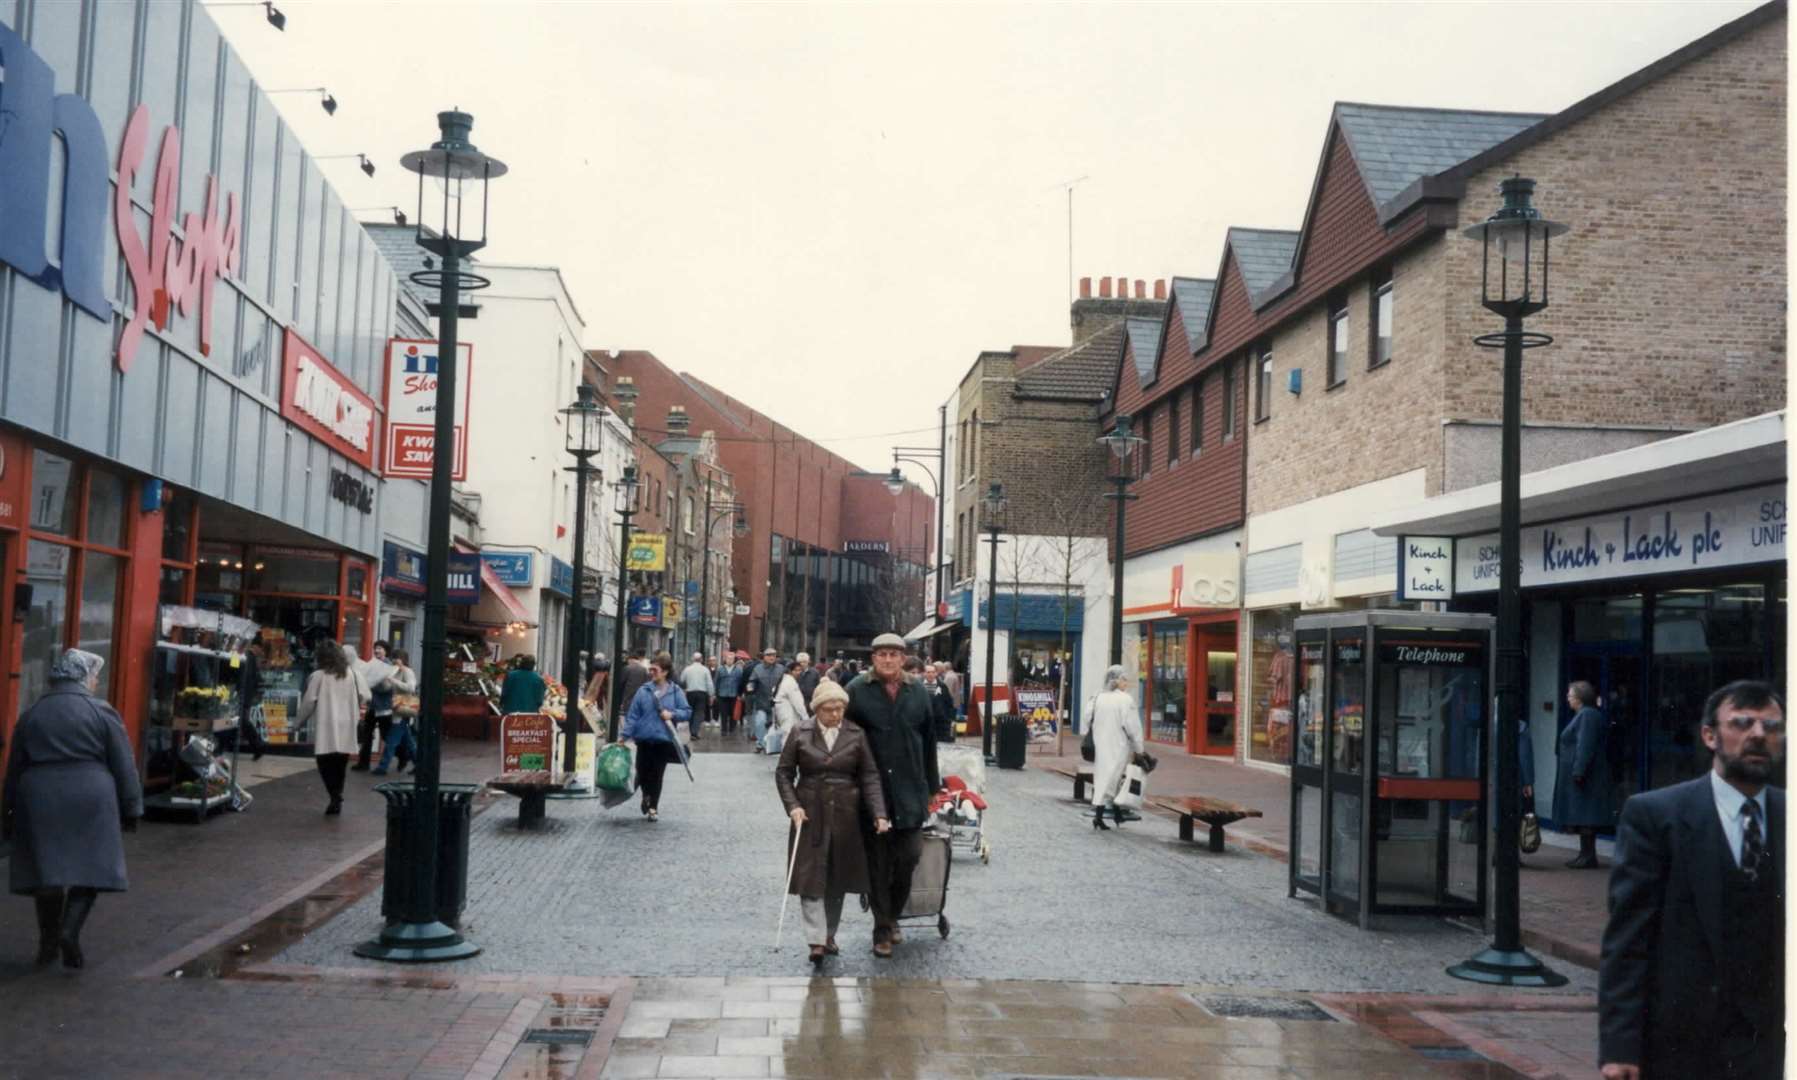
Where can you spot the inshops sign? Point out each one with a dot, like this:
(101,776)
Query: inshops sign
(411,404)
(1738,528)
(317,398)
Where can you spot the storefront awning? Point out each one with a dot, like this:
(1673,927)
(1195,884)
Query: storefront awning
(1735,455)
(930,628)
(503,593)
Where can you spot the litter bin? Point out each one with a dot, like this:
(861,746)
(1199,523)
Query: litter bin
(454,816)
(1013,740)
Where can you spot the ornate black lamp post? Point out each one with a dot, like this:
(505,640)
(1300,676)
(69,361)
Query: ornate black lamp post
(626,488)
(1122,443)
(715,513)
(992,509)
(457,167)
(582,433)
(1519,235)
(920,456)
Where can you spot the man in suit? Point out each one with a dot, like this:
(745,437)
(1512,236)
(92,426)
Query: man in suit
(1692,977)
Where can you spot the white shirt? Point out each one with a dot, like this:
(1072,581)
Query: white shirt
(696,678)
(1729,803)
(830,734)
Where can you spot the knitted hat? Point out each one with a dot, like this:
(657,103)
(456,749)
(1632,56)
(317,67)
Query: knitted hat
(826,692)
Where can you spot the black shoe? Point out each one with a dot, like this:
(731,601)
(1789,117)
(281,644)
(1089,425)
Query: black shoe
(74,914)
(1117,815)
(257,756)
(1098,821)
(335,808)
(1585,861)
(360,766)
(49,927)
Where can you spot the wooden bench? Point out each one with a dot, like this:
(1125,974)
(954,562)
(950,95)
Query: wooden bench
(1213,812)
(533,788)
(1081,775)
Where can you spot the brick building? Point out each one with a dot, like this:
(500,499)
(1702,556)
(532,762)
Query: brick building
(804,586)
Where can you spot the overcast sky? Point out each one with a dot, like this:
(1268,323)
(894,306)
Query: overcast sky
(829,210)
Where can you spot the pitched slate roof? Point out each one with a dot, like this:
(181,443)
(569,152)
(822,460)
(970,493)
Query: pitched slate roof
(1394,146)
(1145,344)
(400,244)
(1192,295)
(1263,256)
(1084,372)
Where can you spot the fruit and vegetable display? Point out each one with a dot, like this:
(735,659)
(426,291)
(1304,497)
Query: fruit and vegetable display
(191,789)
(203,702)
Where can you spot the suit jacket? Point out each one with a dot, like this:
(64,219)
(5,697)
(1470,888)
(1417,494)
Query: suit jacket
(1660,980)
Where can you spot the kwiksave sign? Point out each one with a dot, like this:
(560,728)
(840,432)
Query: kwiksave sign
(410,399)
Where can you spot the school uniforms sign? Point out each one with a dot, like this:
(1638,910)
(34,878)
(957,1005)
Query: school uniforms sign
(1738,528)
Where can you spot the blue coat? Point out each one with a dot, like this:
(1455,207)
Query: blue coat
(728,680)
(643,722)
(71,778)
(1585,804)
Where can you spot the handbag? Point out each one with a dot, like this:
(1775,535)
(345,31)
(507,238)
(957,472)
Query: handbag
(1088,750)
(1529,834)
(1135,785)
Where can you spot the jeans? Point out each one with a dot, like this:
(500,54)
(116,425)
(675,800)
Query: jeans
(758,725)
(725,708)
(372,726)
(401,741)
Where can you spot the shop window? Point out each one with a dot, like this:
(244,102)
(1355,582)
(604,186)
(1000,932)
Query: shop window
(173,589)
(47,570)
(1600,619)
(355,581)
(1702,639)
(100,580)
(1337,344)
(291,570)
(1270,684)
(106,517)
(177,528)
(1379,350)
(53,496)
(1167,720)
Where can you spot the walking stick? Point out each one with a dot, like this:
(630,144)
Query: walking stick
(791,866)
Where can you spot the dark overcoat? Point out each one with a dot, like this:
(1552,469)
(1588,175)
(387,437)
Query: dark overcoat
(904,744)
(834,786)
(1582,789)
(70,778)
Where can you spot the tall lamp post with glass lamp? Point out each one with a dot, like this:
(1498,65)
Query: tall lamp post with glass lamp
(715,513)
(455,165)
(992,510)
(1122,442)
(1519,236)
(626,487)
(582,433)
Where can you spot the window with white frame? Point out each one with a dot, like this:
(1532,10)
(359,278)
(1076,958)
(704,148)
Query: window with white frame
(1379,351)
(1263,382)
(1337,359)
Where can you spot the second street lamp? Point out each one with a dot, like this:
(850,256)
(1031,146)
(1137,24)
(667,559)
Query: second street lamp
(583,433)
(713,515)
(1122,442)
(992,507)
(1520,236)
(626,488)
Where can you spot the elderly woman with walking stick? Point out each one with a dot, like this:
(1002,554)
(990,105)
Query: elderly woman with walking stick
(827,779)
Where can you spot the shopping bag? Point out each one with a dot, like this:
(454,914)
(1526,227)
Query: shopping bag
(614,768)
(1529,835)
(1135,785)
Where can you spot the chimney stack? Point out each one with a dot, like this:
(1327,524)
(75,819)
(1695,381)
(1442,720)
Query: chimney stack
(1160,288)
(1085,288)
(678,422)
(1104,288)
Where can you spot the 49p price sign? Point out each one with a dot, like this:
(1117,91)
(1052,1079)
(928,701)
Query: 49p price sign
(411,403)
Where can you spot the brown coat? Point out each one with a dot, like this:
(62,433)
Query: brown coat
(834,787)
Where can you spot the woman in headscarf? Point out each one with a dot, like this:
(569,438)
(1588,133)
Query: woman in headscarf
(827,779)
(71,791)
(333,700)
(1116,737)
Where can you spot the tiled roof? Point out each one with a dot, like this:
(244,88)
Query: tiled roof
(1193,297)
(1263,256)
(1145,344)
(400,244)
(1084,372)
(1395,146)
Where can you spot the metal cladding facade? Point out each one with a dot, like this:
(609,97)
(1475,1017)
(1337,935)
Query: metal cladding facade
(219,321)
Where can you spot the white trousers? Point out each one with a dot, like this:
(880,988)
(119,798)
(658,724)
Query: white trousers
(821,915)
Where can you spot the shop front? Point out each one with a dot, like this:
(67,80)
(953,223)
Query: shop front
(1677,590)
(1180,641)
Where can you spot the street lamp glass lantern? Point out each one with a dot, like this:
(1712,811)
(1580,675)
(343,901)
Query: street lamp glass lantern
(585,420)
(1122,442)
(454,163)
(895,481)
(993,503)
(1519,238)
(626,487)
(741,526)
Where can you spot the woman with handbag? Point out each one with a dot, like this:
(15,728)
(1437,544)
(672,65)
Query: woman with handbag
(402,684)
(1116,731)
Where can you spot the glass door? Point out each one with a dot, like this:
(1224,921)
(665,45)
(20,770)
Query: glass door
(1306,757)
(1167,702)
(1619,672)
(1347,764)
(1216,659)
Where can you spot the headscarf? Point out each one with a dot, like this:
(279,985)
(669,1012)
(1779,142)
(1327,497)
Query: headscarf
(1114,677)
(826,692)
(77,666)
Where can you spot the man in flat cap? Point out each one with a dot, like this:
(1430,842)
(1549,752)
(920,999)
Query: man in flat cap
(895,713)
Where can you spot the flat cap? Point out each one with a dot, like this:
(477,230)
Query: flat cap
(888,641)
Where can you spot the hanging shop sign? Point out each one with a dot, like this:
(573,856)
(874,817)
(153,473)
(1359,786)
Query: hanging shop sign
(742,610)
(671,611)
(317,398)
(464,577)
(526,741)
(1425,567)
(648,551)
(645,611)
(510,567)
(561,577)
(402,570)
(410,401)
(351,491)
(1738,528)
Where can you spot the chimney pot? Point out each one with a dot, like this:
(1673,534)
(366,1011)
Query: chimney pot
(1141,289)
(1085,288)
(1160,288)
(1104,288)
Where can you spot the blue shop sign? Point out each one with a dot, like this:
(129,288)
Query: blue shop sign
(510,567)
(1037,613)
(402,570)
(464,578)
(960,606)
(561,577)
(645,611)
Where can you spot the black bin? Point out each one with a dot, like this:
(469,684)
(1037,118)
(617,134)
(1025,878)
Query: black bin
(454,817)
(1013,739)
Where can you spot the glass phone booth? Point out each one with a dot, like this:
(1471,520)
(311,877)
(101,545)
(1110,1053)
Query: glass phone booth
(1388,762)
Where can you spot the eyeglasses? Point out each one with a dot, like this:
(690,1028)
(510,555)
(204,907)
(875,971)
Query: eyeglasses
(1744,722)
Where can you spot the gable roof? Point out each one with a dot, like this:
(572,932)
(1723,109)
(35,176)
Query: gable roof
(1192,296)
(1394,146)
(1262,255)
(1085,372)
(1145,345)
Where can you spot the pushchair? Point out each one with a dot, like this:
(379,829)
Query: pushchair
(958,810)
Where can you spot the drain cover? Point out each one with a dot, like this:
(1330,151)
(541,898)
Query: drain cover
(558,1036)
(1269,1008)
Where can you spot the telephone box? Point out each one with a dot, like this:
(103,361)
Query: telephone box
(1391,711)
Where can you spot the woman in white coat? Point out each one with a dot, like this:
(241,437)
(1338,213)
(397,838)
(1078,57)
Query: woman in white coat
(1116,737)
(789,709)
(333,701)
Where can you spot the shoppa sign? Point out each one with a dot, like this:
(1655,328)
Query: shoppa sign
(1737,528)
(411,402)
